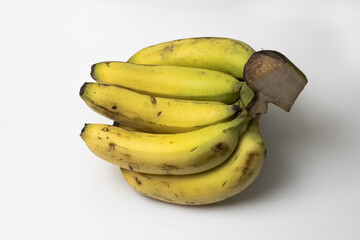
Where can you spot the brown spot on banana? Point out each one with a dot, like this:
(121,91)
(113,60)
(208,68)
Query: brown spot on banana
(112,146)
(153,100)
(133,166)
(169,48)
(219,147)
(169,167)
(193,149)
(247,169)
(137,180)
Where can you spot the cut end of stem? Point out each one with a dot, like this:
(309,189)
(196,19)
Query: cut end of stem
(274,79)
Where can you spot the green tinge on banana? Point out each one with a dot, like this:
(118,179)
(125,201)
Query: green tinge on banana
(169,81)
(217,184)
(176,154)
(154,114)
(220,54)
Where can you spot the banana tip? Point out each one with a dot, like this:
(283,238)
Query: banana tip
(83,129)
(82,89)
(92,70)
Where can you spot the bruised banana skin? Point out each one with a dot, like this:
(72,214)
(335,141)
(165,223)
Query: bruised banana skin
(169,81)
(217,184)
(155,114)
(177,154)
(220,54)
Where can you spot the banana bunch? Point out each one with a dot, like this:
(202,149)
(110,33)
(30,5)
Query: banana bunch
(182,133)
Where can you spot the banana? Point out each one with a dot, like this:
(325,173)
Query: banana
(221,54)
(169,81)
(176,154)
(155,114)
(226,180)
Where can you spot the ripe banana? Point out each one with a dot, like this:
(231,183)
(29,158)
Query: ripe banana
(169,81)
(181,153)
(226,180)
(221,54)
(156,114)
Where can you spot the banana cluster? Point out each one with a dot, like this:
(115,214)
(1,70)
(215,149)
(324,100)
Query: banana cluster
(181,131)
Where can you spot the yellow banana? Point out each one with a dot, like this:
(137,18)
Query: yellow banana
(226,180)
(169,81)
(154,114)
(181,153)
(221,54)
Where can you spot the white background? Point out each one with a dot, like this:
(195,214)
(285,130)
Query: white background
(53,187)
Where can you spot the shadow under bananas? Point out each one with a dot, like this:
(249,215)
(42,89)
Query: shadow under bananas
(276,130)
(289,138)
